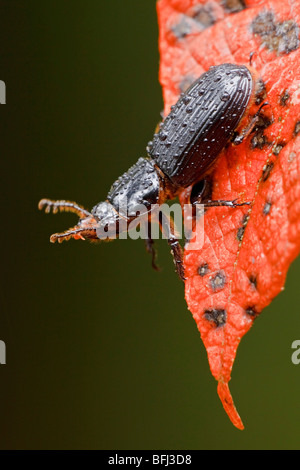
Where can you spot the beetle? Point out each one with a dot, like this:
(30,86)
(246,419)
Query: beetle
(210,114)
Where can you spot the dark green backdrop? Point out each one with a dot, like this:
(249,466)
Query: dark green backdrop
(102,352)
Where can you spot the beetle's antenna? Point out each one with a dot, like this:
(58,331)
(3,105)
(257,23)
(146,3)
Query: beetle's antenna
(63,206)
(73,232)
(87,224)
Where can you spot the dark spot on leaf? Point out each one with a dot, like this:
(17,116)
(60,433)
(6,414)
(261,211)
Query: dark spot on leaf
(267,170)
(203,269)
(264,23)
(182,28)
(252,311)
(279,37)
(241,230)
(186,83)
(267,208)
(218,281)
(218,316)
(260,92)
(240,233)
(204,16)
(277,148)
(253,280)
(291,157)
(233,6)
(263,122)
(284,97)
(245,219)
(297,128)
(259,140)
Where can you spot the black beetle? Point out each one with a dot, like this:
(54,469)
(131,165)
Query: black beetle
(183,152)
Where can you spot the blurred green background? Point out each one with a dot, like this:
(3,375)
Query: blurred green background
(102,352)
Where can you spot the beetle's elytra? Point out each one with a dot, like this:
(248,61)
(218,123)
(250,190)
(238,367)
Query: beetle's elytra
(201,123)
(182,153)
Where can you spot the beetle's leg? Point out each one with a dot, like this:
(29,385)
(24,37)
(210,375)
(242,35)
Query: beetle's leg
(218,203)
(167,227)
(63,206)
(151,249)
(201,194)
(238,139)
(150,246)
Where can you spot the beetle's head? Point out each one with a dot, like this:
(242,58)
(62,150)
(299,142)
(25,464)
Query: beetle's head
(103,223)
(130,197)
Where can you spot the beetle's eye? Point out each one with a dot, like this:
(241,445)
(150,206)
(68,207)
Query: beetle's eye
(198,191)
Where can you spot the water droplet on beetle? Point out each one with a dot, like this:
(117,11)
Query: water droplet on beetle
(186,99)
(225,96)
(162,135)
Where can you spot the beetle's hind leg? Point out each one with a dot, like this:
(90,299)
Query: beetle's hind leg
(201,194)
(63,206)
(221,203)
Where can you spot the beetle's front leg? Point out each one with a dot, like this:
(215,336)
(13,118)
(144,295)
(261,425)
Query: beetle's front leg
(177,253)
(151,249)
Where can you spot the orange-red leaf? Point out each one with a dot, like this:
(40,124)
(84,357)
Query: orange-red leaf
(247,251)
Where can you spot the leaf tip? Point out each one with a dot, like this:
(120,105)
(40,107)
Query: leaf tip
(228,404)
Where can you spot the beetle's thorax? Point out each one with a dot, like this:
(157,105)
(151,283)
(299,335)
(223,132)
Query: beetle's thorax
(136,189)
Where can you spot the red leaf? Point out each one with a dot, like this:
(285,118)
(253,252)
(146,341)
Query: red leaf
(246,253)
